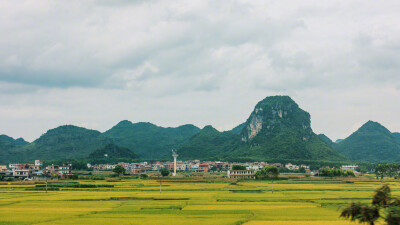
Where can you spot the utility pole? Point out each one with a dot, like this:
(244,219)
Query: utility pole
(160,186)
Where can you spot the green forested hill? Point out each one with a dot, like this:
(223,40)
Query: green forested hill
(326,139)
(64,142)
(6,141)
(112,153)
(8,146)
(210,144)
(397,136)
(371,142)
(148,140)
(238,129)
(276,129)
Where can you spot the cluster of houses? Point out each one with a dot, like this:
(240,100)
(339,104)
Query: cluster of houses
(28,171)
(35,170)
(200,166)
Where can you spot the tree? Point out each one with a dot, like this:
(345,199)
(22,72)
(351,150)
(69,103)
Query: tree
(119,170)
(164,172)
(388,170)
(267,172)
(143,176)
(238,167)
(361,212)
(272,171)
(371,213)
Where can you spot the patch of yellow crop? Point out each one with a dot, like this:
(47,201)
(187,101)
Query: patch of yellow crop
(140,202)
(321,222)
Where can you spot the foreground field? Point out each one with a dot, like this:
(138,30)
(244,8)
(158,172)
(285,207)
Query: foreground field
(138,201)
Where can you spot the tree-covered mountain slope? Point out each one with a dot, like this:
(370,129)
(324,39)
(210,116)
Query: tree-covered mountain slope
(8,146)
(326,139)
(279,129)
(112,151)
(148,140)
(210,144)
(371,142)
(238,129)
(9,142)
(64,142)
(276,129)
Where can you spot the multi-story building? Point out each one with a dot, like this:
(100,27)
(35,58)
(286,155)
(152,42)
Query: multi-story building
(3,168)
(203,168)
(25,170)
(65,169)
(169,166)
(52,169)
(12,165)
(194,168)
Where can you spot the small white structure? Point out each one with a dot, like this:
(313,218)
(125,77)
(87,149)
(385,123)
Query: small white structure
(291,166)
(349,167)
(175,156)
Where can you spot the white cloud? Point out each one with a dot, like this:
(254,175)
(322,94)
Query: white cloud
(202,62)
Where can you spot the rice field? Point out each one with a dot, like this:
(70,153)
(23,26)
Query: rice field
(136,201)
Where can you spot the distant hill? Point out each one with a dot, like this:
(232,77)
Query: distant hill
(397,135)
(371,142)
(8,145)
(325,138)
(9,141)
(148,140)
(209,144)
(338,141)
(238,129)
(64,142)
(276,129)
(111,152)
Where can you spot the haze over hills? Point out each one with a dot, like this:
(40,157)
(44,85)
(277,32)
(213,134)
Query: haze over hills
(371,142)
(277,129)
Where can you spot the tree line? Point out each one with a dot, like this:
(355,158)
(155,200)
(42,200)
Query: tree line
(387,170)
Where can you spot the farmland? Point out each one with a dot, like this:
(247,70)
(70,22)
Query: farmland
(184,201)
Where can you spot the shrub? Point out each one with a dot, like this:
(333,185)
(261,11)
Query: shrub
(143,176)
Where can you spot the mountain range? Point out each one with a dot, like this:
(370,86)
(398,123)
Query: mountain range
(277,129)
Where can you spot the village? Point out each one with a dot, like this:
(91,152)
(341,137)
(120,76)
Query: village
(28,171)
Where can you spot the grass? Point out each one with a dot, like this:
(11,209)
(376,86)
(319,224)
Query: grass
(182,201)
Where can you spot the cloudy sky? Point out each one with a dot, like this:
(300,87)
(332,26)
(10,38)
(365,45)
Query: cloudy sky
(95,63)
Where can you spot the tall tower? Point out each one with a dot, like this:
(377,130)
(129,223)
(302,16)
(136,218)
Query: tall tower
(174,155)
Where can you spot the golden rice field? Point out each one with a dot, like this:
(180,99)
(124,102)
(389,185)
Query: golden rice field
(135,201)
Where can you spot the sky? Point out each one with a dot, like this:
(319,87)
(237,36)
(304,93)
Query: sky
(95,63)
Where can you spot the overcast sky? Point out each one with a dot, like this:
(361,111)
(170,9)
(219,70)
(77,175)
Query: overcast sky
(95,63)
